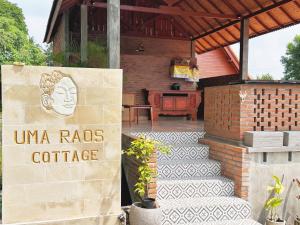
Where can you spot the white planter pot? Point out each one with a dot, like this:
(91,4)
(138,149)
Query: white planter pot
(268,222)
(142,216)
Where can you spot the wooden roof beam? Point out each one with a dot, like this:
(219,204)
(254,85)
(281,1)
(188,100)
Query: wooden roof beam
(166,10)
(220,11)
(232,7)
(217,21)
(285,12)
(205,20)
(249,11)
(268,13)
(266,9)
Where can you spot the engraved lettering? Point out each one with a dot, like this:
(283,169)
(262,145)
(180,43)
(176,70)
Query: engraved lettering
(34,158)
(63,136)
(22,141)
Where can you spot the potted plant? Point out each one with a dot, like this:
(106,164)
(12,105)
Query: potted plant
(297,220)
(146,211)
(274,202)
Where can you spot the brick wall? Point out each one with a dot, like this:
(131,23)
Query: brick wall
(265,107)
(235,162)
(131,165)
(150,69)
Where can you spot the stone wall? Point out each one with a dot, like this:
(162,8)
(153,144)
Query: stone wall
(233,109)
(261,176)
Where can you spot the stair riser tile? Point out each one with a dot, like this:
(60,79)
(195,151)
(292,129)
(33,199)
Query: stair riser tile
(205,214)
(189,170)
(173,137)
(194,190)
(186,152)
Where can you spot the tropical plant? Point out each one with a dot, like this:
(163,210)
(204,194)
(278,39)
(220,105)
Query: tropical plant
(265,76)
(275,200)
(291,60)
(15,43)
(97,55)
(143,149)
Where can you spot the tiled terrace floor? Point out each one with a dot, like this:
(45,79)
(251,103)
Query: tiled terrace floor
(165,124)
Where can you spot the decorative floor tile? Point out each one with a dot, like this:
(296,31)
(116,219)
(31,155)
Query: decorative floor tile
(194,187)
(229,222)
(173,137)
(206,209)
(190,151)
(190,189)
(188,168)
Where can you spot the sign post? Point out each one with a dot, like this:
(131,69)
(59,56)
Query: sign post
(61,145)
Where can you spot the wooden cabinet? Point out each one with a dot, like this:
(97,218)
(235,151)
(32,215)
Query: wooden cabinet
(183,103)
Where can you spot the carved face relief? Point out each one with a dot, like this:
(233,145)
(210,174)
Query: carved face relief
(64,97)
(59,93)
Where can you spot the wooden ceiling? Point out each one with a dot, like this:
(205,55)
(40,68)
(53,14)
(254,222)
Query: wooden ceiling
(210,23)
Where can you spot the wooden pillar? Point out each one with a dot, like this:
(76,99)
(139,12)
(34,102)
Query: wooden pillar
(84,34)
(66,36)
(193,49)
(113,33)
(244,49)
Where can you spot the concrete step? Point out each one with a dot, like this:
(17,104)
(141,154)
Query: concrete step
(207,209)
(194,187)
(229,222)
(189,137)
(186,151)
(188,168)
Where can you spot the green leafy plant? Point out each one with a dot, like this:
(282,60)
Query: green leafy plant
(265,76)
(143,149)
(291,60)
(97,55)
(275,200)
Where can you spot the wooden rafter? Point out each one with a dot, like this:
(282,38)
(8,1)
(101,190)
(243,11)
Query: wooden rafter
(232,7)
(249,12)
(250,15)
(180,28)
(285,12)
(217,21)
(268,13)
(220,11)
(166,10)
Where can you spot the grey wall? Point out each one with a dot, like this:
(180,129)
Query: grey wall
(261,176)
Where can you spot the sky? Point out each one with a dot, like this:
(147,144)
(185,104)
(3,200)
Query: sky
(264,56)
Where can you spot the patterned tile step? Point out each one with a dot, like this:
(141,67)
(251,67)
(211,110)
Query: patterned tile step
(206,209)
(186,151)
(229,222)
(188,168)
(173,137)
(194,187)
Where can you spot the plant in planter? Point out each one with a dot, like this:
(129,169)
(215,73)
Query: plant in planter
(274,202)
(147,211)
(297,220)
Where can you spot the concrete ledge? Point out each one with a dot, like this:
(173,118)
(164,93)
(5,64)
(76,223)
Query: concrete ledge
(291,138)
(263,139)
(273,149)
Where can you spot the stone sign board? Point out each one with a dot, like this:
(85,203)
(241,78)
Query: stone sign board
(61,145)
